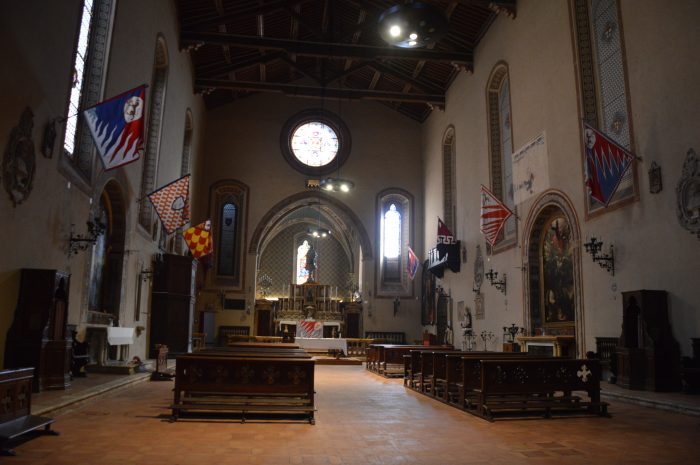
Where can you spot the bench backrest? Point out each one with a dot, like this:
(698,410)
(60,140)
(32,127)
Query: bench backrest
(543,375)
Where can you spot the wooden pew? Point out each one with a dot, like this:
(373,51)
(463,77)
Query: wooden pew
(377,357)
(16,407)
(470,379)
(245,380)
(520,387)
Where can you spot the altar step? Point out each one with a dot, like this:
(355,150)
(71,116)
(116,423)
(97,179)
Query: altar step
(330,360)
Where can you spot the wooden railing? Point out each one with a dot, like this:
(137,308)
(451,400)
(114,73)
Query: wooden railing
(386,337)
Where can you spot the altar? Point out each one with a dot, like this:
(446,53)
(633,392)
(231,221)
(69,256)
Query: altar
(309,302)
(326,344)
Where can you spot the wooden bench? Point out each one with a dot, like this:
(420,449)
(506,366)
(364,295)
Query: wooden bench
(512,387)
(387,359)
(15,408)
(244,381)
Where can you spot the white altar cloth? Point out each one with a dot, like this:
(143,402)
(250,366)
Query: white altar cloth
(119,335)
(325,343)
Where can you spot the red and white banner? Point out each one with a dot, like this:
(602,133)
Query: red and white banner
(309,328)
(493,215)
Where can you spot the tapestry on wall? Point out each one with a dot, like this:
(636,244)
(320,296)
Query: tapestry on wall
(557,273)
(530,169)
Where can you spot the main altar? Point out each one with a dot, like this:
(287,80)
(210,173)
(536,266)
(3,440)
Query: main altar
(311,302)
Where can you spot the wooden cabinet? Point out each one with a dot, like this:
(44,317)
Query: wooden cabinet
(38,336)
(648,356)
(172,304)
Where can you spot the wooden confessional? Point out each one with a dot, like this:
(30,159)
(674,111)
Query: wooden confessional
(38,335)
(648,356)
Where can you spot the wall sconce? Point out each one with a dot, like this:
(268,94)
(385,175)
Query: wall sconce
(146,274)
(492,276)
(79,242)
(606,261)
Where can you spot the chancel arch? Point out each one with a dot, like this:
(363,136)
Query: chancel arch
(552,262)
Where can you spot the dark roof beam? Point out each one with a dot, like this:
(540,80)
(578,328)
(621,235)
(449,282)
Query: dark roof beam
(319,92)
(240,65)
(239,14)
(324,50)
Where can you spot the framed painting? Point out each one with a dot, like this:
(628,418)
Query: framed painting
(557,292)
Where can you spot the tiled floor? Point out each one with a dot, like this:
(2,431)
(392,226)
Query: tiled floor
(361,419)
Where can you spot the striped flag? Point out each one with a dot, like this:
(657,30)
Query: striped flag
(493,215)
(117,126)
(309,328)
(198,239)
(412,263)
(606,164)
(172,203)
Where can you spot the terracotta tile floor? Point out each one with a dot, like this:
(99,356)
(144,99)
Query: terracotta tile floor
(361,419)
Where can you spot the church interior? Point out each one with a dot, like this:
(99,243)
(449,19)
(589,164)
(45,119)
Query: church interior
(317,219)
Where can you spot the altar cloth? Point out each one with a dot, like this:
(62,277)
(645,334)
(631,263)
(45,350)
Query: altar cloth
(322,343)
(119,335)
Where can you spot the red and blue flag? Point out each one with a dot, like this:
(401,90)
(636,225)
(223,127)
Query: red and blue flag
(606,164)
(117,127)
(412,263)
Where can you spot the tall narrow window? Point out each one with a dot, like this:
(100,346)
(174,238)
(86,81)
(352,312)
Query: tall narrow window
(155,116)
(87,81)
(302,274)
(394,233)
(227,234)
(391,243)
(448,177)
(184,169)
(603,86)
(501,149)
(229,201)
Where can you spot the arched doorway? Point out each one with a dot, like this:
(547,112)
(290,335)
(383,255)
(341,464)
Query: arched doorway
(552,260)
(283,238)
(106,268)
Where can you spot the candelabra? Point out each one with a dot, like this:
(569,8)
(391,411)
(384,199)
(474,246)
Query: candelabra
(509,332)
(78,242)
(606,261)
(469,340)
(487,337)
(492,276)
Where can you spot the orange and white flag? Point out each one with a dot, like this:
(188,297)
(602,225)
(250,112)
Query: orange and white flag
(172,203)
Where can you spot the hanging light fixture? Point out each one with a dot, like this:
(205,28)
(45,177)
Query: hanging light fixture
(336,185)
(317,232)
(412,25)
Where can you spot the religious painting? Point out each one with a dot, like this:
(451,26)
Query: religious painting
(427,297)
(557,301)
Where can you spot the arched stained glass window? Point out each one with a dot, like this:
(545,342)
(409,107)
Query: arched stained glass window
(87,82)
(394,236)
(227,235)
(501,149)
(391,236)
(604,91)
(302,272)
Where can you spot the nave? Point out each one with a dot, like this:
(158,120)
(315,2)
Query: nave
(362,419)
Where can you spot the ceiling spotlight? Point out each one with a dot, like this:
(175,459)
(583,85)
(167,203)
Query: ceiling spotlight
(336,184)
(426,22)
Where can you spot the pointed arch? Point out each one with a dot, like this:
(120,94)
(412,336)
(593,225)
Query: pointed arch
(500,138)
(155,126)
(449,177)
(552,205)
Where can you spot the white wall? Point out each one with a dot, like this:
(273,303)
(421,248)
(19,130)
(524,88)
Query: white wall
(652,250)
(39,38)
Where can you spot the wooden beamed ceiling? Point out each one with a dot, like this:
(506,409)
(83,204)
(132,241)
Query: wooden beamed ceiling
(328,49)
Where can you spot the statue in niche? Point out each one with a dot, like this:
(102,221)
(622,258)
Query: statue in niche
(310,265)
